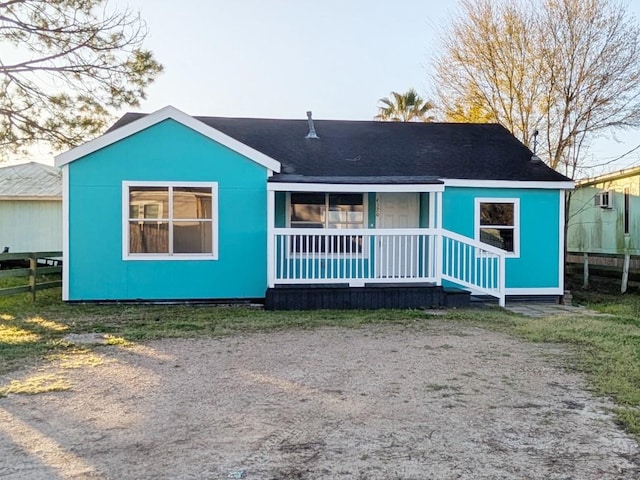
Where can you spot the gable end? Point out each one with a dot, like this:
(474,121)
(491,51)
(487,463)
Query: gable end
(165,113)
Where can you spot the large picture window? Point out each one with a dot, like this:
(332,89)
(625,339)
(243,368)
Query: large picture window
(175,221)
(328,210)
(498,223)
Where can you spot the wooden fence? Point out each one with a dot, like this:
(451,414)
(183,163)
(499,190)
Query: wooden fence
(39,263)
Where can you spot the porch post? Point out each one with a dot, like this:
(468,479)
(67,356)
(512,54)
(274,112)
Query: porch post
(432,209)
(438,209)
(271,260)
(439,237)
(502,271)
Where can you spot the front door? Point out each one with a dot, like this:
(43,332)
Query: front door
(395,254)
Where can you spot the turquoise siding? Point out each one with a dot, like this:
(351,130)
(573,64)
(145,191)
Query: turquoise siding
(424,210)
(371,211)
(167,152)
(336,268)
(539,261)
(281,210)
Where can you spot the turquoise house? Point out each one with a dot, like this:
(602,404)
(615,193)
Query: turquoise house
(308,214)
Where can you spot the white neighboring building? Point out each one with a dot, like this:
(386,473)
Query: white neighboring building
(30,208)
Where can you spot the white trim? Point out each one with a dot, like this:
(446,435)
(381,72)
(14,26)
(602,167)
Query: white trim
(352,187)
(124,218)
(502,285)
(453,182)
(215,220)
(561,262)
(432,210)
(355,282)
(205,257)
(516,221)
(271,253)
(440,240)
(461,238)
(534,291)
(65,233)
(374,231)
(157,117)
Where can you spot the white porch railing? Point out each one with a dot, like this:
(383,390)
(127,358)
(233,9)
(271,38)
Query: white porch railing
(359,256)
(473,264)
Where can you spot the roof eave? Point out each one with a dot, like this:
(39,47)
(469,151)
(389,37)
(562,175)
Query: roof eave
(541,184)
(608,177)
(354,187)
(31,198)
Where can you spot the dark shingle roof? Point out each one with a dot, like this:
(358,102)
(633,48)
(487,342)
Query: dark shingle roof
(393,152)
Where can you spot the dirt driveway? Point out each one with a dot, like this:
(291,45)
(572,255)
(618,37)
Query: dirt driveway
(439,401)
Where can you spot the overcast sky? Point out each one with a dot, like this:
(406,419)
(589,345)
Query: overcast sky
(280,58)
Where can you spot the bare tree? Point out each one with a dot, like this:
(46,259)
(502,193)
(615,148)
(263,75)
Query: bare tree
(65,66)
(567,68)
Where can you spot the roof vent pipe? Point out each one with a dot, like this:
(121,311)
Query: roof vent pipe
(535,158)
(312,129)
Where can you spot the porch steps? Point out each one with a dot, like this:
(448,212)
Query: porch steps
(369,297)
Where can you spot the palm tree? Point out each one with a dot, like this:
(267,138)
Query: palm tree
(404,107)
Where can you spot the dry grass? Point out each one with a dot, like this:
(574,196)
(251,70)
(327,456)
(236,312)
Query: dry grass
(608,348)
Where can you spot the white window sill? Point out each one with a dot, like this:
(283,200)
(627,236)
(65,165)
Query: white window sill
(508,254)
(184,257)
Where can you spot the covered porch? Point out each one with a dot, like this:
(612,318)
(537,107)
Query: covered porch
(365,235)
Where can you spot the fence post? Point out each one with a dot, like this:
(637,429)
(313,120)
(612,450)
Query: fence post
(33,265)
(625,273)
(585,271)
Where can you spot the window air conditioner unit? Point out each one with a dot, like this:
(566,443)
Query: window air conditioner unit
(603,200)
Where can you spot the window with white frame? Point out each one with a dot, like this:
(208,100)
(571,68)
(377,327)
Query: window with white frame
(170,220)
(498,223)
(327,210)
